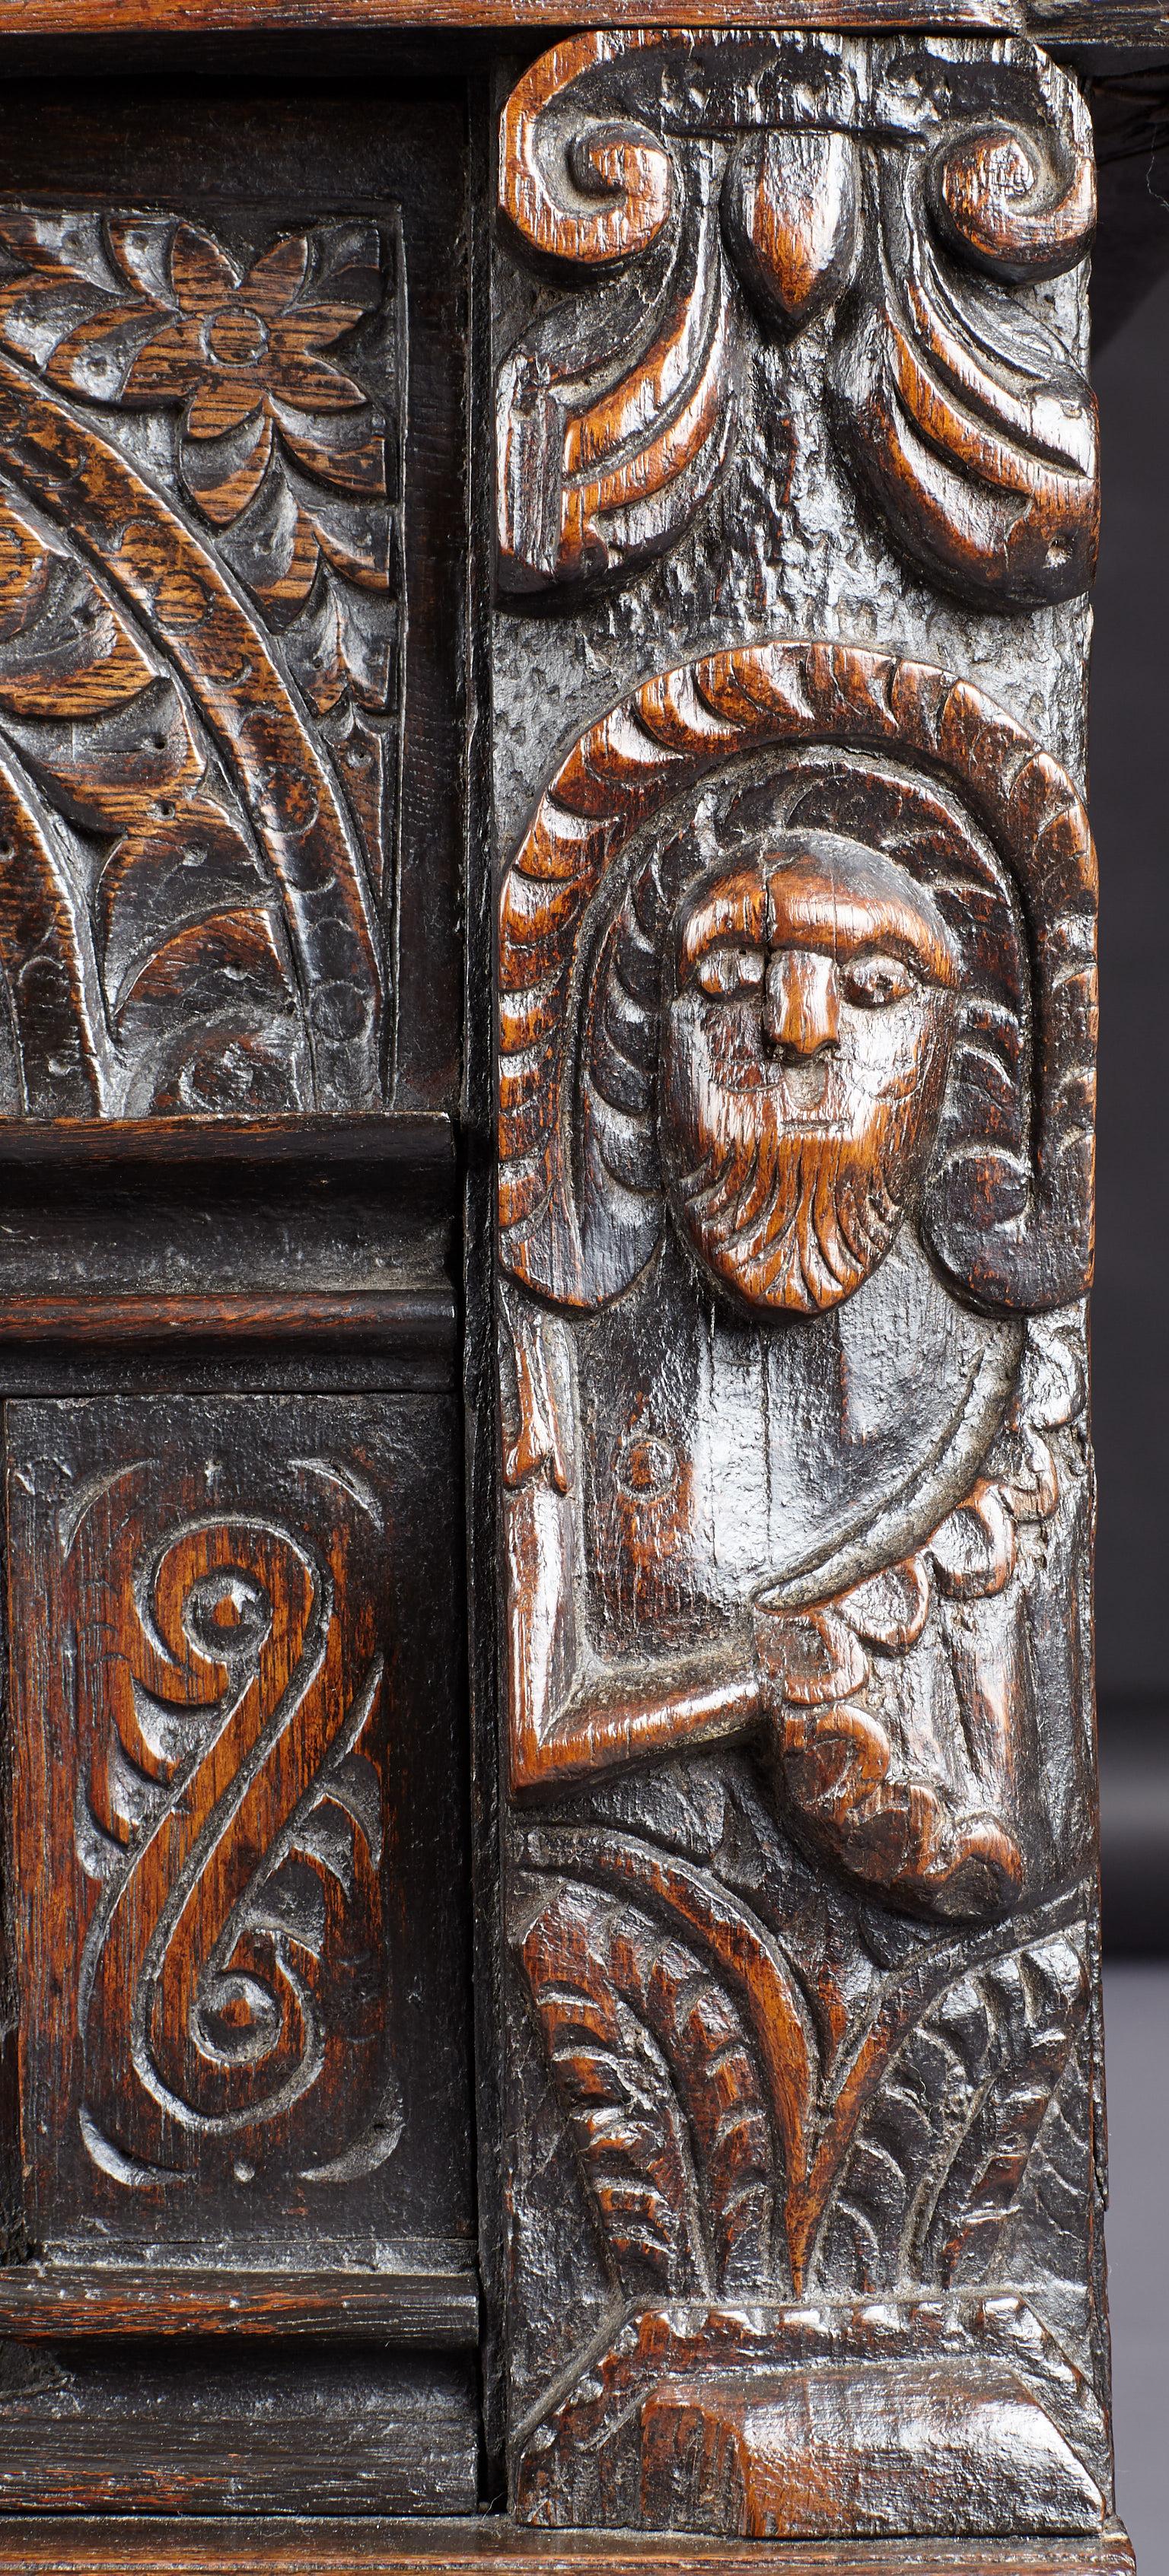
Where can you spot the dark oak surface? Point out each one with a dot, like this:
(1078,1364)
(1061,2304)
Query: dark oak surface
(49,2300)
(795,1037)
(1135,22)
(246,415)
(373,2548)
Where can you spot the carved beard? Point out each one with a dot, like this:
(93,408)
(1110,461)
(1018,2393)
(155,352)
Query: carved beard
(789,1212)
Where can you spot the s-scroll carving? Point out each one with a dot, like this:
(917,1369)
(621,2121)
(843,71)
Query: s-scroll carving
(683,180)
(231,1826)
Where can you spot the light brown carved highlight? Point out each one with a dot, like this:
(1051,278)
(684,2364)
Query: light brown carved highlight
(838,189)
(233,1788)
(566,1231)
(796,1055)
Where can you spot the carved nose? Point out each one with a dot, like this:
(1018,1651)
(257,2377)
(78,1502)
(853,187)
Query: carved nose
(801,1003)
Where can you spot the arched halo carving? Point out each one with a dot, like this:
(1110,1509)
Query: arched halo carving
(919,762)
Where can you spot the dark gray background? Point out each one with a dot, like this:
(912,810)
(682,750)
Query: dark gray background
(1130,764)
(1129,767)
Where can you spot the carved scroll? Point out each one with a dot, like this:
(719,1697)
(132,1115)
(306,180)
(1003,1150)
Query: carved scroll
(795,1082)
(206,1787)
(670,177)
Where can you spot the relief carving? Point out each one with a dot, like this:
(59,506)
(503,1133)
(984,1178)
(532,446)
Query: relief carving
(200,526)
(209,1974)
(796,1070)
(697,189)
(231,1811)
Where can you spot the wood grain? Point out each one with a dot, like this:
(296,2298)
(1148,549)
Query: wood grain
(795,1070)
(1113,22)
(847,199)
(42,2302)
(50,2547)
(420,1320)
(409,1145)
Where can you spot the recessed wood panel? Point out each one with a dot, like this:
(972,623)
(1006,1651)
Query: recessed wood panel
(230,520)
(238,1863)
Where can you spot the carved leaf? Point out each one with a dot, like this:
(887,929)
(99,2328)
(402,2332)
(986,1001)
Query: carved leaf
(614,423)
(748,1961)
(936,2161)
(962,414)
(306,1028)
(283,454)
(660,2080)
(178,928)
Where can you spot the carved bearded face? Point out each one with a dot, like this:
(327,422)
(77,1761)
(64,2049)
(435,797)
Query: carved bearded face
(808,1016)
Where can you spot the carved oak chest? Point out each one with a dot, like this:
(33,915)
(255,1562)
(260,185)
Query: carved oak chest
(547,934)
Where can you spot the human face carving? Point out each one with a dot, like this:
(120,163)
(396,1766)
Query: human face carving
(809,1012)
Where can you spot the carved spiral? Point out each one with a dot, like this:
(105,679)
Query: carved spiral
(1012,202)
(191,1982)
(592,198)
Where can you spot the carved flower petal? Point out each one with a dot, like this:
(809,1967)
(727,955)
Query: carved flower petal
(167,368)
(277,275)
(305,381)
(93,358)
(224,484)
(221,403)
(353,459)
(202,275)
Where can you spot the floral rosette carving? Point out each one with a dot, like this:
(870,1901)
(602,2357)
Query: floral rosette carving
(235,398)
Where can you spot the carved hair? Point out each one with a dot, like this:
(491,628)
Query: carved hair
(892,752)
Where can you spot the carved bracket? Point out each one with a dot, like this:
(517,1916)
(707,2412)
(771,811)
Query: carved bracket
(692,186)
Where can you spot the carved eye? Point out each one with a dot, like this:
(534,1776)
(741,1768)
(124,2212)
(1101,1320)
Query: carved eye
(731,969)
(874,982)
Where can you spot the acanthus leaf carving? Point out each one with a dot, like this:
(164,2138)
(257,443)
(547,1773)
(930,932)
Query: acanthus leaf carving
(616,431)
(162,921)
(671,2123)
(896,2156)
(965,420)
(913,226)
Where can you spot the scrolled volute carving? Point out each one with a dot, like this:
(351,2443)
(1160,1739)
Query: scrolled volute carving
(911,223)
(587,903)
(1017,204)
(614,421)
(595,198)
(963,418)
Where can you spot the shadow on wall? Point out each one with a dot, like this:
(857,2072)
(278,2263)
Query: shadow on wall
(1130,1330)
